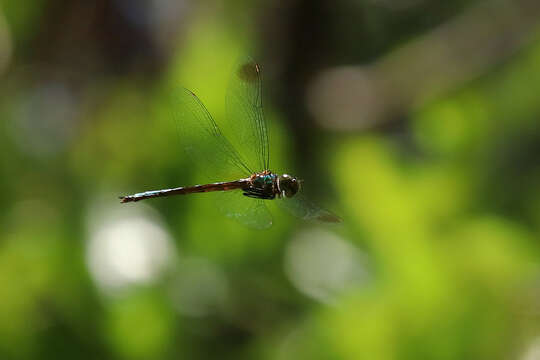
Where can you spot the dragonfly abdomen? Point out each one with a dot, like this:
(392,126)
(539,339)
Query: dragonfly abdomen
(219,186)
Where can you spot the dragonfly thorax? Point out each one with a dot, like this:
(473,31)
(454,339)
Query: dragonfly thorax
(266,185)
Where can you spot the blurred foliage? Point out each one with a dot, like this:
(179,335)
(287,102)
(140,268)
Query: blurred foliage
(441,206)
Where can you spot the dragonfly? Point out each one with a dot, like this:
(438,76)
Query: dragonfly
(251,182)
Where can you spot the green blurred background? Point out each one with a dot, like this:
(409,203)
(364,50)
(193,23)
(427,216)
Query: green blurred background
(414,120)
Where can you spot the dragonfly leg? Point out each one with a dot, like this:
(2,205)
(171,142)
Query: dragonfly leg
(258,194)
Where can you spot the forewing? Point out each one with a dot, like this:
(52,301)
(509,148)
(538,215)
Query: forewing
(203,141)
(300,207)
(252,213)
(244,114)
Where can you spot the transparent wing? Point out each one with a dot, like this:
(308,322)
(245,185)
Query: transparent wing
(300,207)
(250,212)
(244,114)
(203,140)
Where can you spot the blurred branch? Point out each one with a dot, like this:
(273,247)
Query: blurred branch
(5,44)
(358,97)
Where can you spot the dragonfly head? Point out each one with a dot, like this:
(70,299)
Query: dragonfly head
(288,185)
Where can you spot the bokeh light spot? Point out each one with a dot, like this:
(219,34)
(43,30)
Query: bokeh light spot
(127,247)
(321,264)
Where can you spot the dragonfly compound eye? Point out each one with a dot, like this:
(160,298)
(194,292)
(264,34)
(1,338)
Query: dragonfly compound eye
(288,185)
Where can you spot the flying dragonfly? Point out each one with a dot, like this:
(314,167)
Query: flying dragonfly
(251,182)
